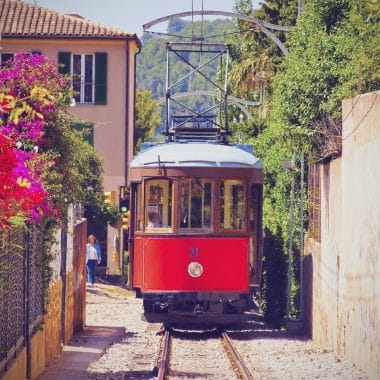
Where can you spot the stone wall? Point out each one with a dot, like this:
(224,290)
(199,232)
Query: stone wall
(69,309)
(53,321)
(46,339)
(37,354)
(346,264)
(17,369)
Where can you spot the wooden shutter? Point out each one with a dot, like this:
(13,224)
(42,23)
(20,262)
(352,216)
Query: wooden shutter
(100,78)
(64,62)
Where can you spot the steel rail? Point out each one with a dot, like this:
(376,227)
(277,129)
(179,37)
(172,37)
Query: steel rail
(164,357)
(243,371)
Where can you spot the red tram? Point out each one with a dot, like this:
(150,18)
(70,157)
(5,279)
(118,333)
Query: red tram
(196,231)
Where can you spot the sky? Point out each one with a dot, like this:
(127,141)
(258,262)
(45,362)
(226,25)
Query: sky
(131,15)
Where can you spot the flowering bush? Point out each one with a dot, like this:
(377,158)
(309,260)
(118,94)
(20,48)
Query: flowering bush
(28,97)
(44,164)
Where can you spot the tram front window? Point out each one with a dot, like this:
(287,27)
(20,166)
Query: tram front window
(195,198)
(232,200)
(158,204)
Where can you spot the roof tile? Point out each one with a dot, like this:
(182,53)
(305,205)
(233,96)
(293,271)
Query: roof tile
(20,19)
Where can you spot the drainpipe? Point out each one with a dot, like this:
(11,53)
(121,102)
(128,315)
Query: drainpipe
(63,271)
(126,111)
(290,166)
(27,301)
(301,236)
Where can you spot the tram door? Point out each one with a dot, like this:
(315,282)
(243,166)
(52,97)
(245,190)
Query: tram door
(255,231)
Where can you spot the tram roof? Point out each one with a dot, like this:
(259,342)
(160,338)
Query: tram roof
(197,154)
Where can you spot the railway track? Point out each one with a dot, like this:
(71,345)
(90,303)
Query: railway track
(208,354)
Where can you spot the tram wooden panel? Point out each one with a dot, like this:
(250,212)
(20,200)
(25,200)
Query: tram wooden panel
(137,263)
(165,264)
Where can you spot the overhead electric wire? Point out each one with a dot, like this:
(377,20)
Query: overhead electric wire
(181,36)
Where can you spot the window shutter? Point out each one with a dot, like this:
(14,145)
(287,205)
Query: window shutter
(100,78)
(64,62)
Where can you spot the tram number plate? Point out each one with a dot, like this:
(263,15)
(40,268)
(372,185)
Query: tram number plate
(193,252)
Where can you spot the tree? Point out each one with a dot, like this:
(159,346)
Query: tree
(331,57)
(176,26)
(148,117)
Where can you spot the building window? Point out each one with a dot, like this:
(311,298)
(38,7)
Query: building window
(83,70)
(88,74)
(4,57)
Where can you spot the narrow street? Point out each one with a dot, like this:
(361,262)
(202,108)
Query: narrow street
(116,344)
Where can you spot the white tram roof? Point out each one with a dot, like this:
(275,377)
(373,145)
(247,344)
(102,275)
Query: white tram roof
(197,154)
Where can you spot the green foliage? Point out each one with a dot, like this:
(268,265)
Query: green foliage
(273,290)
(332,56)
(46,230)
(329,60)
(76,176)
(255,55)
(147,117)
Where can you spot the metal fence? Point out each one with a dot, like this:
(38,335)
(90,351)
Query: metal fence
(21,290)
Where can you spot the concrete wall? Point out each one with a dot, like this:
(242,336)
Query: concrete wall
(346,264)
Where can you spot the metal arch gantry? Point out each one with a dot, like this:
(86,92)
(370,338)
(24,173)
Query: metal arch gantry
(240,103)
(184,52)
(262,25)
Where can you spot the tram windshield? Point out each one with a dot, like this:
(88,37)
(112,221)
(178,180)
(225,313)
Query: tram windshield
(195,199)
(232,200)
(158,208)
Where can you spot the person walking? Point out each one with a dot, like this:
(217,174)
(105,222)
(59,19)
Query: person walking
(93,257)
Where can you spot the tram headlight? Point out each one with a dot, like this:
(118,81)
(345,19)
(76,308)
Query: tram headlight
(194,269)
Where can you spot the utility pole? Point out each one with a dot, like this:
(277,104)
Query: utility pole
(299,7)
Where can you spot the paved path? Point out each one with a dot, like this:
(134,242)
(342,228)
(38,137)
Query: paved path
(85,348)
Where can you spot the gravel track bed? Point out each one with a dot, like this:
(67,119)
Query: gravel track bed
(198,355)
(275,354)
(268,353)
(134,356)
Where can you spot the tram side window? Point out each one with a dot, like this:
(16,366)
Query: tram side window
(158,204)
(232,200)
(195,199)
(139,209)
